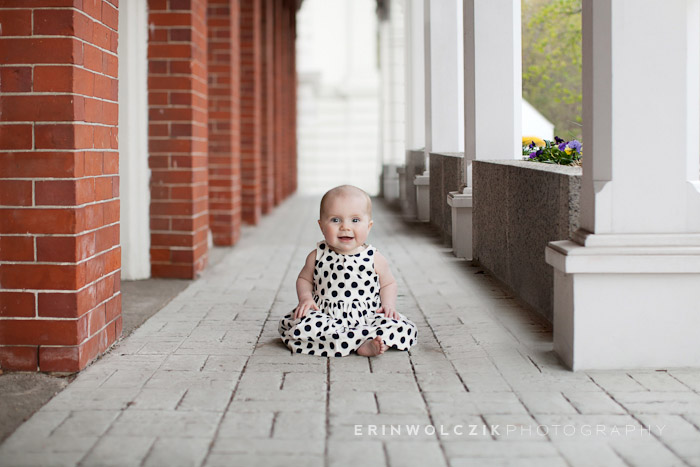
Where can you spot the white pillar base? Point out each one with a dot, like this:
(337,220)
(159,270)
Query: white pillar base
(461,204)
(626,301)
(422,184)
(390,183)
(401,171)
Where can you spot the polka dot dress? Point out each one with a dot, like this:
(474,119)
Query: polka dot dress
(346,290)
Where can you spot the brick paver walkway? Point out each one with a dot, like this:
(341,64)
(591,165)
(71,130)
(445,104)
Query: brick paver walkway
(206,381)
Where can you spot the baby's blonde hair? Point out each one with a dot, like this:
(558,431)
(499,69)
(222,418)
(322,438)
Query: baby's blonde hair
(345,190)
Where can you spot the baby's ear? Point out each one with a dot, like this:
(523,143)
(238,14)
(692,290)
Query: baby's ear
(371,223)
(319,223)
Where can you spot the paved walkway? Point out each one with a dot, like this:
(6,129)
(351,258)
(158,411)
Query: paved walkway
(206,381)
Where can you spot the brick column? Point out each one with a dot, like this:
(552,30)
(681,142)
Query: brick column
(60,259)
(178,107)
(268,108)
(251,109)
(278,97)
(224,126)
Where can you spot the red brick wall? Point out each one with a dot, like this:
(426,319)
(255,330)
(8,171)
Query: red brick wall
(224,116)
(178,108)
(251,109)
(60,259)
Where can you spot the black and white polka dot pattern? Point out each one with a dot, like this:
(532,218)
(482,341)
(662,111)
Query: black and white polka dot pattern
(346,289)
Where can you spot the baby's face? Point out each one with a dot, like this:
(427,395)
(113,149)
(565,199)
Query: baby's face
(346,223)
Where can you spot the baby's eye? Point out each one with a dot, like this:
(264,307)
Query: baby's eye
(335,220)
(356,219)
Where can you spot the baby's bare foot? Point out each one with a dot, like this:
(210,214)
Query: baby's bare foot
(372,347)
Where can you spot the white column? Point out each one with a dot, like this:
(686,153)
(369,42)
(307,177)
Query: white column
(415,101)
(444,88)
(134,174)
(492,100)
(626,288)
(444,76)
(391,39)
(415,75)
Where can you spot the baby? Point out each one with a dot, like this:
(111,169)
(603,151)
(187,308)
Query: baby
(347,294)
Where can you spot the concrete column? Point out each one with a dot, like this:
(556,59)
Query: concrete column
(444,87)
(492,100)
(626,287)
(415,101)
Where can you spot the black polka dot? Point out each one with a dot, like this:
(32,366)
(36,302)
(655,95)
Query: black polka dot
(362,268)
(338,354)
(324,354)
(334,293)
(367,283)
(371,290)
(311,352)
(329,257)
(323,291)
(341,285)
(348,293)
(380,332)
(400,329)
(365,332)
(298,350)
(403,339)
(365,259)
(361,291)
(297,343)
(344,345)
(297,332)
(309,345)
(340,267)
(349,268)
(347,276)
(357,342)
(409,331)
(322,246)
(335,336)
(334,276)
(332,345)
(325,273)
(319,324)
(307,328)
(320,346)
(353,285)
(370,252)
(351,334)
(391,336)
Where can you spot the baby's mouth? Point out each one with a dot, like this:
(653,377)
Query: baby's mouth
(345,239)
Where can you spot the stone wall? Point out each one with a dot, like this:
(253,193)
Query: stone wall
(446,171)
(519,207)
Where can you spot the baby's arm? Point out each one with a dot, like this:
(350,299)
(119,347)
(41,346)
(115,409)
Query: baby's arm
(387,287)
(305,283)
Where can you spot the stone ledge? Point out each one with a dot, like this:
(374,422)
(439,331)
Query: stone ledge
(519,208)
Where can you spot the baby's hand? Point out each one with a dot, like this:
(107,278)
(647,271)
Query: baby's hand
(389,311)
(304,307)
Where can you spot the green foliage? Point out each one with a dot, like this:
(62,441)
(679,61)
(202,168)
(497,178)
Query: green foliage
(552,62)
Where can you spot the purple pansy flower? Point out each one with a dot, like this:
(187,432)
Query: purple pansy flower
(575,145)
(558,140)
(533,155)
(562,146)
